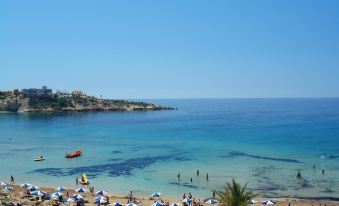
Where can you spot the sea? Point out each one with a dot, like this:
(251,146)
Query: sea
(263,143)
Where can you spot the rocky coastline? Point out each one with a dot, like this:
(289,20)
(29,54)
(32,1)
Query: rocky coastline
(84,103)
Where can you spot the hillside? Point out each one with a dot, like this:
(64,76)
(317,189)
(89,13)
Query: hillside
(71,103)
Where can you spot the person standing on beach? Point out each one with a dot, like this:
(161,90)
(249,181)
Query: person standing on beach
(12,179)
(207,176)
(213,194)
(76,180)
(198,172)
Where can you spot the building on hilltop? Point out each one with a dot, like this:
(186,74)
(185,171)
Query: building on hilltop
(6,92)
(62,93)
(33,92)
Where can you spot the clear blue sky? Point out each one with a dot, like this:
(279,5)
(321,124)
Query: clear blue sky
(172,48)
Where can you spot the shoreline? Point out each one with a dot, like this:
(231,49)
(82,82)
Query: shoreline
(148,200)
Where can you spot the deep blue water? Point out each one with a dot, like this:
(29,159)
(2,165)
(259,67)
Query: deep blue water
(263,141)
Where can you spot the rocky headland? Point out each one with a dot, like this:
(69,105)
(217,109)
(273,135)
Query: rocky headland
(71,103)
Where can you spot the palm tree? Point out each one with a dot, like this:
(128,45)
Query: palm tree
(235,195)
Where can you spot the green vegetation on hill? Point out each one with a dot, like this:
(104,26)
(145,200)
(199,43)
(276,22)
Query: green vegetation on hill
(40,103)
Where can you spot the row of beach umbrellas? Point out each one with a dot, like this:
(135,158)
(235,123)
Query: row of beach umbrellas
(102,200)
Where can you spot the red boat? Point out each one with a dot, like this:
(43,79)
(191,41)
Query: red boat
(74,154)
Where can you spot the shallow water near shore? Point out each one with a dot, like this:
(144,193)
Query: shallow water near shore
(263,141)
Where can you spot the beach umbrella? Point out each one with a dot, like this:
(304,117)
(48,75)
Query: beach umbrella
(80,189)
(187,200)
(39,193)
(101,200)
(25,185)
(251,202)
(211,201)
(55,196)
(101,192)
(268,202)
(3,184)
(132,204)
(9,188)
(33,188)
(157,204)
(70,200)
(175,204)
(117,204)
(78,197)
(58,194)
(156,194)
(60,189)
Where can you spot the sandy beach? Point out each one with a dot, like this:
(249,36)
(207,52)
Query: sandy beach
(17,196)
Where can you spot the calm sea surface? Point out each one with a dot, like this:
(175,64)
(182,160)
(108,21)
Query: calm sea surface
(263,141)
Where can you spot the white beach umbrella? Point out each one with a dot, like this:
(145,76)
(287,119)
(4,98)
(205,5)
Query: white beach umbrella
(55,196)
(102,192)
(9,189)
(211,201)
(132,204)
(33,187)
(175,204)
(156,204)
(187,200)
(268,202)
(101,200)
(70,200)
(3,184)
(80,190)
(251,202)
(39,193)
(60,189)
(78,197)
(156,194)
(117,204)
(58,194)
(25,185)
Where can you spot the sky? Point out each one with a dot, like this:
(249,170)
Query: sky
(172,48)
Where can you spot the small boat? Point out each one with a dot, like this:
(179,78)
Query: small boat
(74,154)
(84,180)
(41,158)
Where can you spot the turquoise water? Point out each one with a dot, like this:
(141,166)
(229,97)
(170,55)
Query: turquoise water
(263,141)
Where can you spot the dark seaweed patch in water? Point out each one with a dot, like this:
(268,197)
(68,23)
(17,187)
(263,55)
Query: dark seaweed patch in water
(116,152)
(333,156)
(115,159)
(327,190)
(112,169)
(237,154)
(184,185)
(182,159)
(317,198)
(26,149)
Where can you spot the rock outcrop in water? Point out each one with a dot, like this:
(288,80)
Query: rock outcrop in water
(72,103)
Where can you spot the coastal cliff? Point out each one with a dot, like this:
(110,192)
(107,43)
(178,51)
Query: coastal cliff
(72,103)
